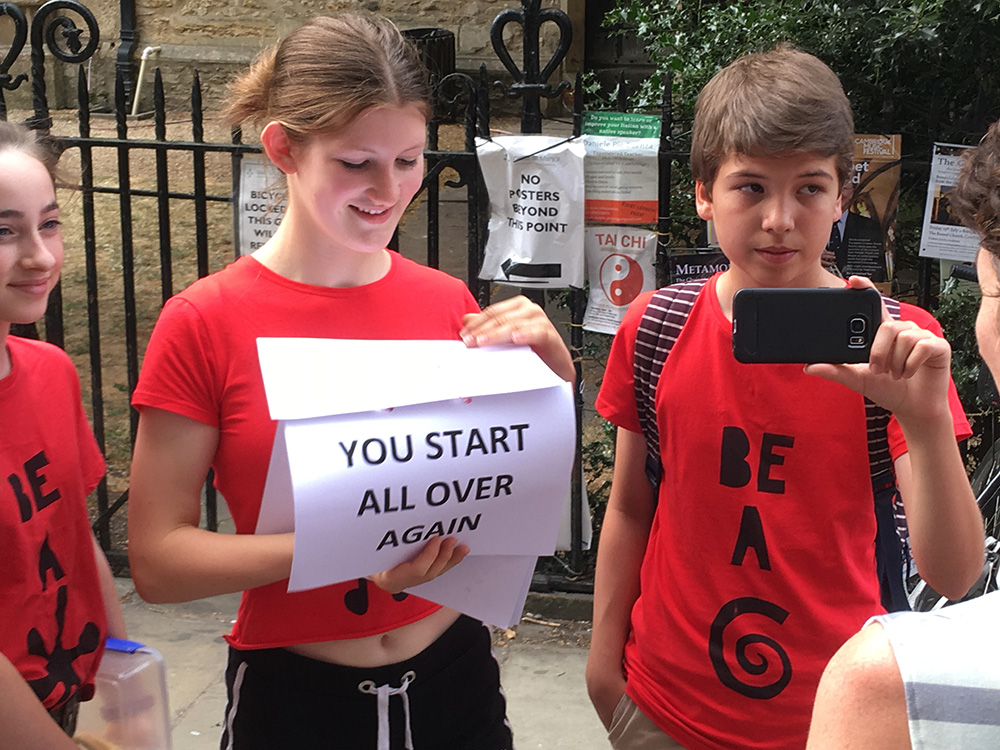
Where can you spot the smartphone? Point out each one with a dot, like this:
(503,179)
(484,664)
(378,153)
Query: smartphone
(805,325)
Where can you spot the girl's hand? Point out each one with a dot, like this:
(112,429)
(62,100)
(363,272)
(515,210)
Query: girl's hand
(439,555)
(520,321)
(907,372)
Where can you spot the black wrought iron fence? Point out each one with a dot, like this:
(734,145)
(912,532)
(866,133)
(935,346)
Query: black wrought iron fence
(149,216)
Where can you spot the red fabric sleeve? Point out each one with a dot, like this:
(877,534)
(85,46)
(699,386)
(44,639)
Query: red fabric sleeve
(179,370)
(897,444)
(616,398)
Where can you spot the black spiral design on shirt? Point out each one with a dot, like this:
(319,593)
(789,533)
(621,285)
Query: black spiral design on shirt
(761,660)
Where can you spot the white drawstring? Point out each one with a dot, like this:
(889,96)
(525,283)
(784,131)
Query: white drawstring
(382,694)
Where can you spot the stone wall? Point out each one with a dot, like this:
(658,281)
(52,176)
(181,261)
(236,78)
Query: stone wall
(218,38)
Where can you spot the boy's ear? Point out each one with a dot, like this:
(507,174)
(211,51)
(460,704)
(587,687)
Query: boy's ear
(840,205)
(278,147)
(703,200)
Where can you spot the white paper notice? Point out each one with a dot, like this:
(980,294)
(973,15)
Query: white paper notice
(943,235)
(364,486)
(262,202)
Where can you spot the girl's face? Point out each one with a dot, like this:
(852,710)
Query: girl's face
(31,249)
(988,319)
(351,187)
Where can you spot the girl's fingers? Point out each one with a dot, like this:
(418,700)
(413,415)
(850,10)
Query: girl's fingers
(439,555)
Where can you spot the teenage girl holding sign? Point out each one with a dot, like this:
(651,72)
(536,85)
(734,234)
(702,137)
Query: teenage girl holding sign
(343,103)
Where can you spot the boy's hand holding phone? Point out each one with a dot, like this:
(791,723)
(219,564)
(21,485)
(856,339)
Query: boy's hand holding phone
(907,372)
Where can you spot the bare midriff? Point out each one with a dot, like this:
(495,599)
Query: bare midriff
(384,648)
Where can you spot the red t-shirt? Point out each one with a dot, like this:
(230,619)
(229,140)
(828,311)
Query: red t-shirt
(202,363)
(54,624)
(760,561)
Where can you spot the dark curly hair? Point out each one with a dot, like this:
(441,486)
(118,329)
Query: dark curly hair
(976,196)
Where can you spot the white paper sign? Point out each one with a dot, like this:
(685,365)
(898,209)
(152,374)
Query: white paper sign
(306,378)
(375,486)
(622,180)
(491,588)
(943,235)
(536,189)
(365,488)
(262,202)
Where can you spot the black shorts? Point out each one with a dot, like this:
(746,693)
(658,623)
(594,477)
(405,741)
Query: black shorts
(447,697)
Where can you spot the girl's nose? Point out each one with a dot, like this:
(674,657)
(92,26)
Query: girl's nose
(385,186)
(38,254)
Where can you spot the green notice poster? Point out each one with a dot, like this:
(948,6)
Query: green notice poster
(621,125)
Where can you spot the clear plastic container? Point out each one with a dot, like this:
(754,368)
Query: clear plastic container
(129,710)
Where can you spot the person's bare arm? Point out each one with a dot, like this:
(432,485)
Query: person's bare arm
(909,373)
(945,525)
(172,559)
(112,606)
(624,535)
(24,722)
(861,701)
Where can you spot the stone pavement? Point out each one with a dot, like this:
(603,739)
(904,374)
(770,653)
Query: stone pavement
(542,663)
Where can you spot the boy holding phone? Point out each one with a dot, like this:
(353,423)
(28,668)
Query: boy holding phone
(721,594)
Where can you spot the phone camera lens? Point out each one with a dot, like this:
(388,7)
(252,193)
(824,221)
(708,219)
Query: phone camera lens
(858,325)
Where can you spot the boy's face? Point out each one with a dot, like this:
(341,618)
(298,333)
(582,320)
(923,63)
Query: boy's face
(773,216)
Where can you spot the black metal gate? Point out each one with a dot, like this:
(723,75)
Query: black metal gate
(176,223)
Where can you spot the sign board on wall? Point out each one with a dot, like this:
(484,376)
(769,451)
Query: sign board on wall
(696,264)
(261,202)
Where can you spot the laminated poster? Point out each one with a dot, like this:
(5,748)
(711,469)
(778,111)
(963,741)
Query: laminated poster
(622,168)
(943,235)
(535,184)
(620,266)
(261,202)
(864,238)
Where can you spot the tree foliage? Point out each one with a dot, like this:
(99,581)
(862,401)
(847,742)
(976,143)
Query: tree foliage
(923,68)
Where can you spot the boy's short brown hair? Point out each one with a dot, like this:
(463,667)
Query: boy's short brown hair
(772,103)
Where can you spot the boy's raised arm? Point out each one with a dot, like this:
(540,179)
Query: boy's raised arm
(908,373)
(624,535)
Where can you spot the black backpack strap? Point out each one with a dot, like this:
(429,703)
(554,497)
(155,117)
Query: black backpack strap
(661,324)
(892,537)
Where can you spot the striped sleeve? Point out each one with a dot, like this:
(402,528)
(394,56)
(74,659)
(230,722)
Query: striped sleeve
(949,666)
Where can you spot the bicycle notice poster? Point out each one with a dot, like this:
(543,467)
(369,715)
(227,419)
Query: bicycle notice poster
(261,202)
(622,168)
(942,235)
